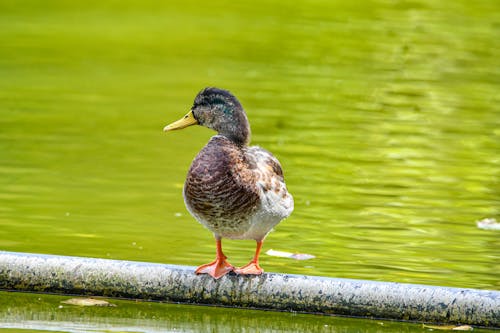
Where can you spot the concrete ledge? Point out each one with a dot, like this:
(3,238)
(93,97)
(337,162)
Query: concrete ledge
(307,294)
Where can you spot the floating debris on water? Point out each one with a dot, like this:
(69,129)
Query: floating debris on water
(296,256)
(488,224)
(449,327)
(87,302)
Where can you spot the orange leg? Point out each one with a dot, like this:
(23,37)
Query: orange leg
(252,267)
(217,268)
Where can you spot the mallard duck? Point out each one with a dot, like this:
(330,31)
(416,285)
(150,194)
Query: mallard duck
(235,191)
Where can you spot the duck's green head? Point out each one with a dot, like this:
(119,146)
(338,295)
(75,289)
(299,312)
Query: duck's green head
(219,110)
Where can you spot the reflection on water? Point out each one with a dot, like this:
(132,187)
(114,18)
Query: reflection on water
(45,312)
(385,117)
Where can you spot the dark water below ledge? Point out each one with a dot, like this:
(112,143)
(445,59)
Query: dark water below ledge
(21,312)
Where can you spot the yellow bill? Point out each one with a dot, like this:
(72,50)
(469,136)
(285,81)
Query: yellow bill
(184,122)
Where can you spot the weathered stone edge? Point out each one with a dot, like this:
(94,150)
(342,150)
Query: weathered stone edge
(282,292)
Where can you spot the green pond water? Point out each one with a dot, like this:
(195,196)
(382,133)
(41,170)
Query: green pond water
(384,114)
(47,313)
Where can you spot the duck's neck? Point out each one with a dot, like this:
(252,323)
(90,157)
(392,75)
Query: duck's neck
(237,130)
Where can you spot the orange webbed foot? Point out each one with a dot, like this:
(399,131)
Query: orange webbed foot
(252,268)
(217,268)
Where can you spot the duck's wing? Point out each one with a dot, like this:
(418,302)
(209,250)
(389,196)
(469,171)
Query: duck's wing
(270,181)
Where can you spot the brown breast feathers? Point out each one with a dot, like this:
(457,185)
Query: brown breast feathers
(221,186)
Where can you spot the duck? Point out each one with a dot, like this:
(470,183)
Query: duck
(235,190)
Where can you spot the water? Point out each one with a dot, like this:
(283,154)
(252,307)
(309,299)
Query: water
(385,116)
(34,313)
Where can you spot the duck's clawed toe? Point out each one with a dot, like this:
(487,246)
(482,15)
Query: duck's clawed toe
(217,268)
(252,268)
